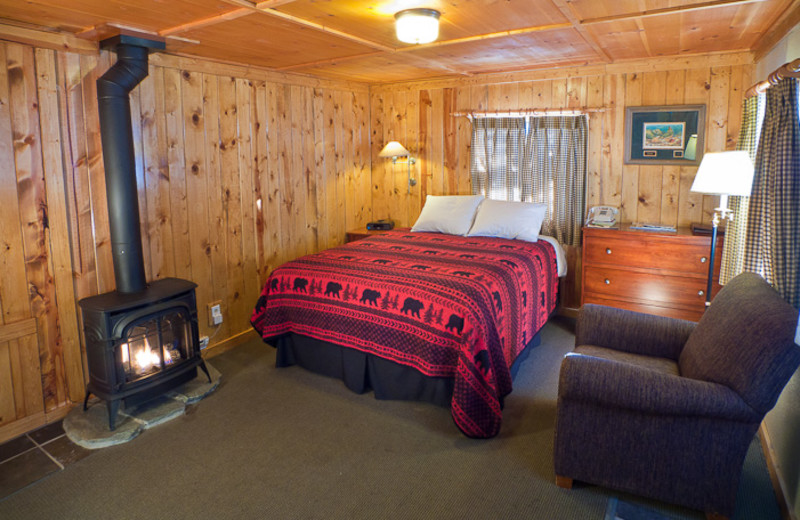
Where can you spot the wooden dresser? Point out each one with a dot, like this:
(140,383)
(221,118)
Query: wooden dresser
(656,273)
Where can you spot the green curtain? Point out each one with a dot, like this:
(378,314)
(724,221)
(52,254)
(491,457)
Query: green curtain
(736,231)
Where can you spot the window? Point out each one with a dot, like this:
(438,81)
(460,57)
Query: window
(534,159)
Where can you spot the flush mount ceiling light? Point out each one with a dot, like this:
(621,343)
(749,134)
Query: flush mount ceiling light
(417,25)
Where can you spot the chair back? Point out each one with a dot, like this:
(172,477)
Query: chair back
(745,341)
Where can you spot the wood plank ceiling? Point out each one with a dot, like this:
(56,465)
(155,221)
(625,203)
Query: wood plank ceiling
(354,39)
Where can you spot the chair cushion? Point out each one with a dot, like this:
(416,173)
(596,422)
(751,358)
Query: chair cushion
(745,341)
(658,364)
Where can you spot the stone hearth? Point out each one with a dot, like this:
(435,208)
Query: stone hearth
(89,429)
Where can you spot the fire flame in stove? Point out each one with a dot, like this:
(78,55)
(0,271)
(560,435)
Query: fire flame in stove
(144,357)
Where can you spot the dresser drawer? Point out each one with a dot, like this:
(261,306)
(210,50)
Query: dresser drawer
(647,253)
(693,314)
(659,289)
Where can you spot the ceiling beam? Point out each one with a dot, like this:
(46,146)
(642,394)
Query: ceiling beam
(566,9)
(204,22)
(329,61)
(269,4)
(319,27)
(666,11)
(424,62)
(37,37)
(241,3)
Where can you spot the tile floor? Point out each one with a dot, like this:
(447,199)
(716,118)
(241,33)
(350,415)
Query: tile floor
(33,456)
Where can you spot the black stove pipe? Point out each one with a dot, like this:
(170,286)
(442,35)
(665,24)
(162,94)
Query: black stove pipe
(116,134)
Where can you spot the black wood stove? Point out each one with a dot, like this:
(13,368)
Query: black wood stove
(141,339)
(141,345)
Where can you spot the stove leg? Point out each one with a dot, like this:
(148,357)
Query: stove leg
(86,401)
(203,367)
(113,407)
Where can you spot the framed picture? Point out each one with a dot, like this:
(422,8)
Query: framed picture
(672,134)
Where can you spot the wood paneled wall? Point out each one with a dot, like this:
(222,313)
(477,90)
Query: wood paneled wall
(237,171)
(419,115)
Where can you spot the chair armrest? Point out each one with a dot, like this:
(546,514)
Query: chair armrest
(622,385)
(630,331)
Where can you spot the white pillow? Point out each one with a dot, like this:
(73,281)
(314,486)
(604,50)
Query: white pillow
(502,219)
(451,214)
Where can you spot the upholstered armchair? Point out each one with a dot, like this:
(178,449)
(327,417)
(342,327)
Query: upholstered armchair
(666,408)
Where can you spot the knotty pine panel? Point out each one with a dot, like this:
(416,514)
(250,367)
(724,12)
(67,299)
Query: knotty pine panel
(235,176)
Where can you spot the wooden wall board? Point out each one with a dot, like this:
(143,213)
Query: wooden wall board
(224,195)
(179,212)
(158,227)
(65,351)
(247,177)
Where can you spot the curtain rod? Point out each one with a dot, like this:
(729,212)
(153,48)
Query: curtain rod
(787,70)
(528,112)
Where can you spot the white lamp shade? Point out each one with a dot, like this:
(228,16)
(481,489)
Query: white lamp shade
(393,149)
(724,173)
(417,25)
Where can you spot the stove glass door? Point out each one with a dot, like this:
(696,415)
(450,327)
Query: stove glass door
(155,343)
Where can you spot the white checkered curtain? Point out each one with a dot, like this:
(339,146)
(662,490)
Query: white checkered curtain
(534,159)
(773,228)
(736,232)
(554,173)
(495,156)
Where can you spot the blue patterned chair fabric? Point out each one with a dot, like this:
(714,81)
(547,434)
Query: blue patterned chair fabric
(667,408)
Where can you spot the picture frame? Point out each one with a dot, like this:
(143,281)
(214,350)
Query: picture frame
(668,134)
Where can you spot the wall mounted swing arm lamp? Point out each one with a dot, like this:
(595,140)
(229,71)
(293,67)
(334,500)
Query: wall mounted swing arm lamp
(394,150)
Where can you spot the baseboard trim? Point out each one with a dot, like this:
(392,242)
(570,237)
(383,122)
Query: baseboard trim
(778,483)
(33,422)
(227,344)
(569,312)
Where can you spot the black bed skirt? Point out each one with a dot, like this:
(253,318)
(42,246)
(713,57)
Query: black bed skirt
(362,372)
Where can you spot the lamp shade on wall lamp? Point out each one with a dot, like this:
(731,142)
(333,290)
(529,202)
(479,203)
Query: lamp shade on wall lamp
(417,25)
(394,150)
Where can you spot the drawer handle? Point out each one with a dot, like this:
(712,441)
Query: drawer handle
(608,251)
(703,260)
(608,282)
(700,293)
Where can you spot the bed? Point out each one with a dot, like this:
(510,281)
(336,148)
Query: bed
(426,316)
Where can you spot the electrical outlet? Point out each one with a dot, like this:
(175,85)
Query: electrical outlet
(214,313)
(203,342)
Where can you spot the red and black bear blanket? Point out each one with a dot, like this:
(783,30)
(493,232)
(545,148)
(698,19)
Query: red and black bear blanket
(452,306)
